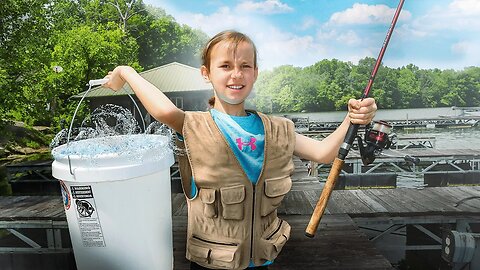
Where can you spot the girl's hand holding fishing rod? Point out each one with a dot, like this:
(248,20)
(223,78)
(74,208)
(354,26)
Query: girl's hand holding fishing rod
(361,111)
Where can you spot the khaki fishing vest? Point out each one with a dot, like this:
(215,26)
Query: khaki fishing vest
(230,220)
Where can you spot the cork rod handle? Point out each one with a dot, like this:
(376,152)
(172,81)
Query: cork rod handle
(323,200)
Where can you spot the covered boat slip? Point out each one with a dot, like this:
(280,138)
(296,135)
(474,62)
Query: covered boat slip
(339,243)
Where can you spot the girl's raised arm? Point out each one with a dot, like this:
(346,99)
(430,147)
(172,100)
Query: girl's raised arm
(157,104)
(359,112)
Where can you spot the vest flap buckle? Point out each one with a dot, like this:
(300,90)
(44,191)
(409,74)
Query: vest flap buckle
(207,195)
(232,195)
(279,186)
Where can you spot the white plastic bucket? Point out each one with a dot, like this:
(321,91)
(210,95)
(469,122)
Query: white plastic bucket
(118,202)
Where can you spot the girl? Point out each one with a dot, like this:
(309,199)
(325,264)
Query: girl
(238,163)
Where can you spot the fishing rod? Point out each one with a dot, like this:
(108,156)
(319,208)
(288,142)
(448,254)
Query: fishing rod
(349,138)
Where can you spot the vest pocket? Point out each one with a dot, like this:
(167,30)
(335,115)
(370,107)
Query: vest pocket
(232,202)
(274,190)
(207,196)
(274,238)
(213,253)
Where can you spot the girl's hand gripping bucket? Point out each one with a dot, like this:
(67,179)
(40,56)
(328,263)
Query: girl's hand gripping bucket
(117,198)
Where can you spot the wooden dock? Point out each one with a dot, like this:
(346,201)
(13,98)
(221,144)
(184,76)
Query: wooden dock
(339,243)
(304,124)
(438,167)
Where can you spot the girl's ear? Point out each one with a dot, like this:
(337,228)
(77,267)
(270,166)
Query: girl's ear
(204,71)
(256,73)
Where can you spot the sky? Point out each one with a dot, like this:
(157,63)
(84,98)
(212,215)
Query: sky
(442,34)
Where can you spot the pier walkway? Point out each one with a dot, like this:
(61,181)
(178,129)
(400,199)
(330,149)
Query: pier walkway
(38,223)
(304,124)
(339,243)
(437,167)
(429,158)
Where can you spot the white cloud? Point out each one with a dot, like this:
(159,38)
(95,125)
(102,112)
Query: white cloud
(457,23)
(307,23)
(220,20)
(264,7)
(458,15)
(461,47)
(281,48)
(467,52)
(367,14)
(467,7)
(350,38)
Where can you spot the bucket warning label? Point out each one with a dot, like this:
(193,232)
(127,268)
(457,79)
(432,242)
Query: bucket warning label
(87,217)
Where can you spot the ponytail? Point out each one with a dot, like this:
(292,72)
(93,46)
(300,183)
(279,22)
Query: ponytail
(211,102)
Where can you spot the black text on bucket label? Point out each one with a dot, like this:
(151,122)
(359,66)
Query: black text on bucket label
(87,216)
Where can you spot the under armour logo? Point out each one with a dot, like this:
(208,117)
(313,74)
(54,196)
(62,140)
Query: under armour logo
(251,143)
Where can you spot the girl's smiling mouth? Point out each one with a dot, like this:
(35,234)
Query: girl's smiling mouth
(235,87)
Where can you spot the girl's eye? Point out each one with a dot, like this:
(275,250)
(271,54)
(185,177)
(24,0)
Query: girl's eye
(225,66)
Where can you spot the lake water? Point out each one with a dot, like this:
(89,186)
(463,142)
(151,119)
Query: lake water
(445,138)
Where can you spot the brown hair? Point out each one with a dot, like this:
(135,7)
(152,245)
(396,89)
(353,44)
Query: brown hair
(211,102)
(229,35)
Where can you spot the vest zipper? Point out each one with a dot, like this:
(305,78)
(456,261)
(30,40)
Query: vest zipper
(278,228)
(253,224)
(215,243)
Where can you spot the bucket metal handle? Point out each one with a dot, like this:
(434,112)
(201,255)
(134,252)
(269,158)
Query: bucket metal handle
(90,84)
(94,83)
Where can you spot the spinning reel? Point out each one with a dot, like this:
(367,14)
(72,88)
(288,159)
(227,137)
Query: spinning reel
(377,137)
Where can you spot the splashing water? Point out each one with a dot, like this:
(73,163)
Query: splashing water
(112,131)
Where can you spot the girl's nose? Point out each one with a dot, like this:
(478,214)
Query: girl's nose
(237,73)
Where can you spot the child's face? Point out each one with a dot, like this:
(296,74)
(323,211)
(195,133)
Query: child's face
(232,72)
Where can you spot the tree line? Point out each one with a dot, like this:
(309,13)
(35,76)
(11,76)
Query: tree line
(87,38)
(328,84)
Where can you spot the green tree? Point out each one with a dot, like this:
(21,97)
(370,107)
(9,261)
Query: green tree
(408,87)
(24,50)
(86,53)
(384,88)
(275,93)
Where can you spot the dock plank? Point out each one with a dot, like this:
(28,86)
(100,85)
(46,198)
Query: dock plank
(452,196)
(295,203)
(397,201)
(355,205)
(436,204)
(179,203)
(383,200)
(368,201)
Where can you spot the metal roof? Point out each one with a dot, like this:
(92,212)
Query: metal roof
(173,77)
